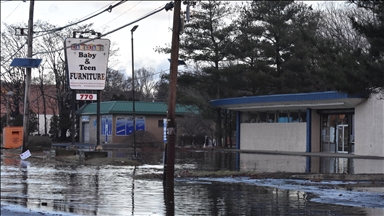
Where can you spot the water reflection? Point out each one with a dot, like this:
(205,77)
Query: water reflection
(112,190)
(307,164)
(217,198)
(133,190)
(169,197)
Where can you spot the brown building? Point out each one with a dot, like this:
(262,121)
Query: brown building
(37,102)
(116,121)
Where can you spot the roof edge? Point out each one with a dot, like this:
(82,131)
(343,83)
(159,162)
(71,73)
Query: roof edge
(328,95)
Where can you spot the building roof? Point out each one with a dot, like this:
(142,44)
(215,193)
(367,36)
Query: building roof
(125,107)
(314,100)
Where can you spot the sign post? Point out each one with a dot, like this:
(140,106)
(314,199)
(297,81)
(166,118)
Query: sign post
(27,63)
(87,64)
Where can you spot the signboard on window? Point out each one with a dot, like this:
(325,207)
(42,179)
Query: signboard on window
(165,130)
(120,126)
(85,118)
(124,125)
(140,123)
(129,126)
(106,124)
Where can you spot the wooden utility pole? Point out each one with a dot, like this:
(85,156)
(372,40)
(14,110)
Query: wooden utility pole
(171,125)
(28,80)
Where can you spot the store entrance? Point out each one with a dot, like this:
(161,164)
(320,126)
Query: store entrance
(337,132)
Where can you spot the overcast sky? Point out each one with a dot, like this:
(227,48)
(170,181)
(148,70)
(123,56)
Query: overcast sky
(152,31)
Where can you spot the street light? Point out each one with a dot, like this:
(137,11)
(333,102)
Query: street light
(133,94)
(9,94)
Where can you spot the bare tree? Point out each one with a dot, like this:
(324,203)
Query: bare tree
(336,24)
(12,78)
(115,86)
(41,83)
(144,83)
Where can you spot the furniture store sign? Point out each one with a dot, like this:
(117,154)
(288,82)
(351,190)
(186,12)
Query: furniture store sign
(87,63)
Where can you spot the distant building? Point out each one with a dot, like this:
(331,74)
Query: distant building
(309,122)
(116,121)
(36,105)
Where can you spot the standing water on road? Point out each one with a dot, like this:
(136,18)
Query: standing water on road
(127,190)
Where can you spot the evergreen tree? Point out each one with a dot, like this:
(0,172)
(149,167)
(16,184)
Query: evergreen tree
(55,127)
(274,47)
(33,122)
(205,41)
(373,29)
(355,67)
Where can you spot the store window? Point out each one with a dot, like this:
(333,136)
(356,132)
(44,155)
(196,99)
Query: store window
(278,116)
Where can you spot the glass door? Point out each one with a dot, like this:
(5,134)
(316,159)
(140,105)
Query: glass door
(342,138)
(337,134)
(328,133)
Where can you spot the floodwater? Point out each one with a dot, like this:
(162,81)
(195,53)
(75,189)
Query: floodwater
(113,190)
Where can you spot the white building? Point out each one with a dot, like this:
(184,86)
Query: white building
(309,122)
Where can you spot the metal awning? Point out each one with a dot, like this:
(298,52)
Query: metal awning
(316,100)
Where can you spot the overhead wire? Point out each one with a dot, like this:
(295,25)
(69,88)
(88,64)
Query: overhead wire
(12,12)
(109,9)
(5,1)
(26,42)
(120,14)
(103,35)
(149,75)
(102,8)
(150,14)
(47,32)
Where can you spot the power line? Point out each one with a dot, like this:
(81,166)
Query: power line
(109,9)
(5,1)
(149,75)
(103,35)
(26,42)
(49,32)
(150,14)
(120,14)
(96,11)
(12,11)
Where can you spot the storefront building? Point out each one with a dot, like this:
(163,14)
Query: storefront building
(116,121)
(309,122)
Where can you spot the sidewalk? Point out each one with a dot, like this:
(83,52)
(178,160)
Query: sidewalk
(315,154)
(312,154)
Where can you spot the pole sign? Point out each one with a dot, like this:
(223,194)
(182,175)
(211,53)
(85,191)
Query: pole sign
(165,130)
(86,63)
(87,97)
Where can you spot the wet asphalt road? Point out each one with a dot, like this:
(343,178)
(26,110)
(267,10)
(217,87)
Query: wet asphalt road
(7,210)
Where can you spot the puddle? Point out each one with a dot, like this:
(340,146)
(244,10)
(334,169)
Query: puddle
(112,190)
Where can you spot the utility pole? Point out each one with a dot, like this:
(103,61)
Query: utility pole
(171,124)
(28,79)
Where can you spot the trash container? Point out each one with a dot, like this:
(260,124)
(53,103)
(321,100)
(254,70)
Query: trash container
(12,137)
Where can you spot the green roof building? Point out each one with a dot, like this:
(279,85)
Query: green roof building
(116,121)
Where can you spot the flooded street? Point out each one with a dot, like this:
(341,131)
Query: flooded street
(122,190)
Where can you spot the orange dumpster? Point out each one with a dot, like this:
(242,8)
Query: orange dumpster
(12,137)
